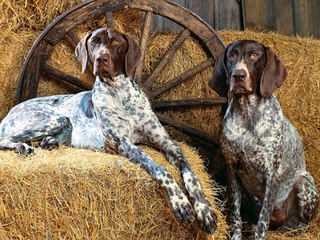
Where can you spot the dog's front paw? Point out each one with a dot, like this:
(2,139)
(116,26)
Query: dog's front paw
(182,208)
(49,143)
(207,219)
(24,149)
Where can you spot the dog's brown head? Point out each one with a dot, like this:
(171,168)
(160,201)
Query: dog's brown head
(247,67)
(111,52)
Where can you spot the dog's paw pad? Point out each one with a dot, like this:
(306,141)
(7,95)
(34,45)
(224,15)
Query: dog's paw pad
(207,219)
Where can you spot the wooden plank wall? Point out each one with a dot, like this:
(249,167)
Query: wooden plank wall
(289,17)
(220,14)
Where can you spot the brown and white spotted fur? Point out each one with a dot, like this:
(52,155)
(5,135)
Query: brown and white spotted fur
(113,116)
(263,150)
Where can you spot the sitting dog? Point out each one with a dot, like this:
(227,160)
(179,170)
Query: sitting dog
(263,150)
(113,117)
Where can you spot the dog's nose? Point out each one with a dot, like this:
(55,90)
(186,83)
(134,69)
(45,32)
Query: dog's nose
(102,59)
(239,75)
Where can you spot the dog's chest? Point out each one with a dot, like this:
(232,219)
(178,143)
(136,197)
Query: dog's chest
(122,106)
(130,99)
(124,98)
(250,147)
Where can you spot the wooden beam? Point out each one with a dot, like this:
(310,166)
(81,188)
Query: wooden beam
(143,45)
(185,76)
(66,77)
(167,57)
(187,129)
(189,102)
(30,73)
(75,16)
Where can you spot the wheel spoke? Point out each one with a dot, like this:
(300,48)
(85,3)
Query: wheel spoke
(72,39)
(167,57)
(190,102)
(109,19)
(187,129)
(143,45)
(66,77)
(185,76)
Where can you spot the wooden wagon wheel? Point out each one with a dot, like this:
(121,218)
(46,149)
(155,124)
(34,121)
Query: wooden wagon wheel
(63,26)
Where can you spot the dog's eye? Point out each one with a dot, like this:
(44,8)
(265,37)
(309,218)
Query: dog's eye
(254,56)
(231,55)
(95,41)
(115,42)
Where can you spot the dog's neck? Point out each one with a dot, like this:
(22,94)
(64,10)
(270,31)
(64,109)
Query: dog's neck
(246,105)
(252,107)
(115,82)
(245,102)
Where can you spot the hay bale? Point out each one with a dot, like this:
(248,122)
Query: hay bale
(82,194)
(95,195)
(34,15)
(13,51)
(22,21)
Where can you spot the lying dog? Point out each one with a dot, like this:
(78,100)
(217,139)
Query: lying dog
(263,150)
(113,116)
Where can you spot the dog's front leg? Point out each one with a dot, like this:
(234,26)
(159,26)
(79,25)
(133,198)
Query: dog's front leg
(235,198)
(157,135)
(272,186)
(178,200)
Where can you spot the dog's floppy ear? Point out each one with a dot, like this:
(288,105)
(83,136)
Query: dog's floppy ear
(81,52)
(273,75)
(219,78)
(132,56)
